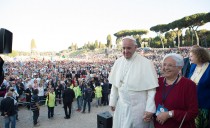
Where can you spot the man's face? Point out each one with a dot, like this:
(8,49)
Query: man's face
(128,48)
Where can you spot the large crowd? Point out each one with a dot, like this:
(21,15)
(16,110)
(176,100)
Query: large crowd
(25,75)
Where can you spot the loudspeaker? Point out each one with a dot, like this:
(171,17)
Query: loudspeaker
(5,41)
(104,120)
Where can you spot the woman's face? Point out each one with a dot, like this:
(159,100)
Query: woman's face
(193,58)
(169,68)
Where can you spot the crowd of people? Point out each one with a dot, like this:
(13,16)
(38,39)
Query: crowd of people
(37,82)
(52,80)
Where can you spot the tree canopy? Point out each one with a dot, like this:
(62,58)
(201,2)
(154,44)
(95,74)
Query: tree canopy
(124,33)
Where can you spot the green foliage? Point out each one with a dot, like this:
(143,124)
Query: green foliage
(203,33)
(130,32)
(96,44)
(156,43)
(207,18)
(13,54)
(88,44)
(160,28)
(204,36)
(73,46)
(201,121)
(138,41)
(101,45)
(170,36)
(93,46)
(109,41)
(188,36)
(118,41)
(77,52)
(124,33)
(194,20)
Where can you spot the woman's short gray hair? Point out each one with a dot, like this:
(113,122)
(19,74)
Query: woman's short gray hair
(177,57)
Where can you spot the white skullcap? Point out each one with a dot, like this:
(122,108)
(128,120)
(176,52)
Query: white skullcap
(177,57)
(131,38)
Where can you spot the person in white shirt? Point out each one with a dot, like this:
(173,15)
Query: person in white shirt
(41,92)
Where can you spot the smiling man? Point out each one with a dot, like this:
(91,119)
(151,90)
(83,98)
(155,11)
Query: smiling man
(133,80)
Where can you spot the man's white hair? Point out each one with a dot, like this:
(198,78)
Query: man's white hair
(177,57)
(131,38)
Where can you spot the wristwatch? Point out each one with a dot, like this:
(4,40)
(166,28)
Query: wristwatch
(170,114)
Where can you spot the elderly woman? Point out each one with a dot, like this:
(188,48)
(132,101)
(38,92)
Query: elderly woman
(200,74)
(175,98)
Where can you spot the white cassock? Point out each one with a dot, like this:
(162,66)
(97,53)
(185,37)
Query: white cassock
(133,89)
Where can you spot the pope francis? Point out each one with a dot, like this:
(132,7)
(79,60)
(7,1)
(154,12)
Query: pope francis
(134,80)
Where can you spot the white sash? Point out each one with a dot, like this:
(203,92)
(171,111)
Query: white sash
(197,76)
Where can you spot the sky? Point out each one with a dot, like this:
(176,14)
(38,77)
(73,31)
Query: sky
(56,24)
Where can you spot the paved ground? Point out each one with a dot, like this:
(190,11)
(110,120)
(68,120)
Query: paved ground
(78,119)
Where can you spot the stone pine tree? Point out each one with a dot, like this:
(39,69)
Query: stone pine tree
(135,33)
(33,46)
(160,29)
